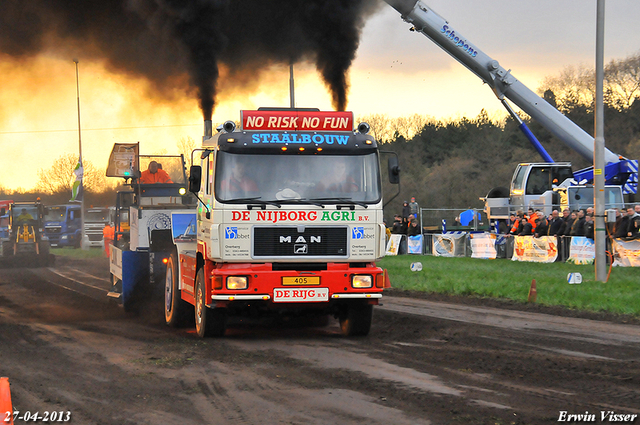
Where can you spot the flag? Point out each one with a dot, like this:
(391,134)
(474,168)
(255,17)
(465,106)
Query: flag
(76,188)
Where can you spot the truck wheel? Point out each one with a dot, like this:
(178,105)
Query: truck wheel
(209,321)
(175,308)
(355,319)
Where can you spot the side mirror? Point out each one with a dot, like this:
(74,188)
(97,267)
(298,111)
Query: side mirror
(394,170)
(195,177)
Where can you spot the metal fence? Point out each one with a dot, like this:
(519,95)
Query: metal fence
(435,220)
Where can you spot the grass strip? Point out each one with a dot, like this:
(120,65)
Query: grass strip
(511,280)
(78,253)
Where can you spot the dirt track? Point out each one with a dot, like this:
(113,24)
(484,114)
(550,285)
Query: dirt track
(65,348)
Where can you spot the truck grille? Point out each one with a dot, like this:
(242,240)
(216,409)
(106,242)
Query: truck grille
(289,242)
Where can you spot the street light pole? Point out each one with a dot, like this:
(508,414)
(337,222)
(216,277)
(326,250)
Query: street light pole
(83,241)
(598,153)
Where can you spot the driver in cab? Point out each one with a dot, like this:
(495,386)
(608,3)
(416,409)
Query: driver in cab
(24,216)
(238,184)
(338,180)
(154,174)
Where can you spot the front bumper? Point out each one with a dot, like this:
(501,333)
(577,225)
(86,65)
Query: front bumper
(264,280)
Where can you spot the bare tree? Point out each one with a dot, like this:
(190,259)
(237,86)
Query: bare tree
(622,81)
(385,129)
(412,125)
(185,146)
(574,86)
(59,178)
(380,125)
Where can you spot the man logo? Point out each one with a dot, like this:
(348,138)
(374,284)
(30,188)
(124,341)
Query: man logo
(301,239)
(357,233)
(231,233)
(300,249)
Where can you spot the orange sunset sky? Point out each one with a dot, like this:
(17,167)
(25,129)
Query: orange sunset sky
(396,72)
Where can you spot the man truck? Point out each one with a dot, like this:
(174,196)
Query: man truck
(63,225)
(289,222)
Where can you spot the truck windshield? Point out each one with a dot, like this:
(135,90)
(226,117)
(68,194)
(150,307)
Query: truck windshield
(24,214)
(55,214)
(581,197)
(518,180)
(93,215)
(297,178)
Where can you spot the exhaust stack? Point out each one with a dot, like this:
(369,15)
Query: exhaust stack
(208,130)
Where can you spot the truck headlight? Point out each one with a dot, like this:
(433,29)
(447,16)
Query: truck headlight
(237,282)
(362,281)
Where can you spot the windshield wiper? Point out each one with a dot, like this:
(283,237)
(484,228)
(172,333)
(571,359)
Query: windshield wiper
(255,199)
(350,202)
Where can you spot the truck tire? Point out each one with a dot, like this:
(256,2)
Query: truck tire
(175,308)
(355,319)
(209,321)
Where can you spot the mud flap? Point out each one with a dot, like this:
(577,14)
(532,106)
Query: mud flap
(135,278)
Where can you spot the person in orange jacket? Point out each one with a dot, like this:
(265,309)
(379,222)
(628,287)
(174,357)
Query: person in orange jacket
(532,217)
(154,174)
(108,235)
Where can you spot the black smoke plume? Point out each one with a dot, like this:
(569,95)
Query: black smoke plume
(162,40)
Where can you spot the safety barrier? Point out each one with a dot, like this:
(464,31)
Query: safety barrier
(576,249)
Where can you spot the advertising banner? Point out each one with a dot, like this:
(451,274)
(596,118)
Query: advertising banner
(292,120)
(536,250)
(449,245)
(626,253)
(394,244)
(582,250)
(415,245)
(483,245)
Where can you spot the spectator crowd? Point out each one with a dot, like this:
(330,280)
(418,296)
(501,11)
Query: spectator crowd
(573,223)
(407,222)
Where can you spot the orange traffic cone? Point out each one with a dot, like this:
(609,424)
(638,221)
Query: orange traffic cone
(5,401)
(533,293)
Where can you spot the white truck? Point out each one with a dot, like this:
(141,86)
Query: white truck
(289,222)
(95,220)
(540,185)
(142,241)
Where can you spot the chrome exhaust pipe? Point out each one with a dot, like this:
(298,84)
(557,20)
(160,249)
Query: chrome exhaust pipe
(208,130)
